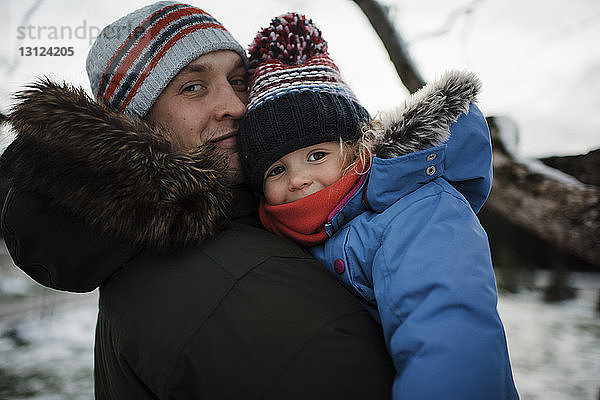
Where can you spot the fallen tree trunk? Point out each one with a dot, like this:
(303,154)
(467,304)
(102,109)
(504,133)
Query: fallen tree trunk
(554,206)
(584,167)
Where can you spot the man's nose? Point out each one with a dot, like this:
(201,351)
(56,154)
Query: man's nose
(229,103)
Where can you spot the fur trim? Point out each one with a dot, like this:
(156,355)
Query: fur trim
(117,174)
(425,118)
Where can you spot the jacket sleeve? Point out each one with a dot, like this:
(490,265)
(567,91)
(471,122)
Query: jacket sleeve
(437,297)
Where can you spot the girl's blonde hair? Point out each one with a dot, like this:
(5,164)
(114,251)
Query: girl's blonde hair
(359,152)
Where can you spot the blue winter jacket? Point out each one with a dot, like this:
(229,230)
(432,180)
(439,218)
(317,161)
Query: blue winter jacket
(409,243)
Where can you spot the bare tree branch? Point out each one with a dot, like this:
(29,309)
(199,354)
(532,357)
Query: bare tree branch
(11,66)
(394,44)
(451,21)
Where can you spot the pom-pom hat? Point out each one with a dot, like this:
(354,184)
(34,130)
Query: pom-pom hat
(297,97)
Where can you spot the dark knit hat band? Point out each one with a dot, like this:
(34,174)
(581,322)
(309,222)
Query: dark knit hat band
(294,121)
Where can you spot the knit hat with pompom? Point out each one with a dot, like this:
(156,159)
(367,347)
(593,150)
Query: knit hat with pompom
(297,97)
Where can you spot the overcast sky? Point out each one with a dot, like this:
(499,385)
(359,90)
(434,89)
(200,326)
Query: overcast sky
(539,60)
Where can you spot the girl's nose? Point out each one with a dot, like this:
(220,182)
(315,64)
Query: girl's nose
(300,181)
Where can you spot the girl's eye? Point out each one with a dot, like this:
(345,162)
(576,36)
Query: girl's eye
(276,171)
(239,85)
(317,155)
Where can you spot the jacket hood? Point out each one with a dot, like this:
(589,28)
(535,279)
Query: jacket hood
(116,175)
(438,132)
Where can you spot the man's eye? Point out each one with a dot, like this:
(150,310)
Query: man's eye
(192,88)
(276,171)
(317,155)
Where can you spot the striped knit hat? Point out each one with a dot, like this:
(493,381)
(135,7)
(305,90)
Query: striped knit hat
(297,97)
(134,58)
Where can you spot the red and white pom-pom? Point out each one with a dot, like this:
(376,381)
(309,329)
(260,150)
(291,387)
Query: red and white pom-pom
(290,38)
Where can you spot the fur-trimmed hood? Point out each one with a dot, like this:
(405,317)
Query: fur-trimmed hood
(424,120)
(437,132)
(118,175)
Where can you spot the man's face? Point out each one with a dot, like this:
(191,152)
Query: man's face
(204,103)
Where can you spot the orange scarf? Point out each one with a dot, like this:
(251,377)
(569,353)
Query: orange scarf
(303,220)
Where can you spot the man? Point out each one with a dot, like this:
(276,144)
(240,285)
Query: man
(131,193)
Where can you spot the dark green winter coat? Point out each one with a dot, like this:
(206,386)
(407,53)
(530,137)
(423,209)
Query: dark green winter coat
(191,306)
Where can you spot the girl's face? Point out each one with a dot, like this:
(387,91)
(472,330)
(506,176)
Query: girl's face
(303,172)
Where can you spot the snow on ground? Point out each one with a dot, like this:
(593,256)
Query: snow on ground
(554,348)
(47,353)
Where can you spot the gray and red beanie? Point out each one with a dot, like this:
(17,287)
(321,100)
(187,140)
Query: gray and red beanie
(297,97)
(134,58)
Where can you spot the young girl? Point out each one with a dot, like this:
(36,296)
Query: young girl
(388,206)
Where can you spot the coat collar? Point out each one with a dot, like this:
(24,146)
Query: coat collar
(118,176)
